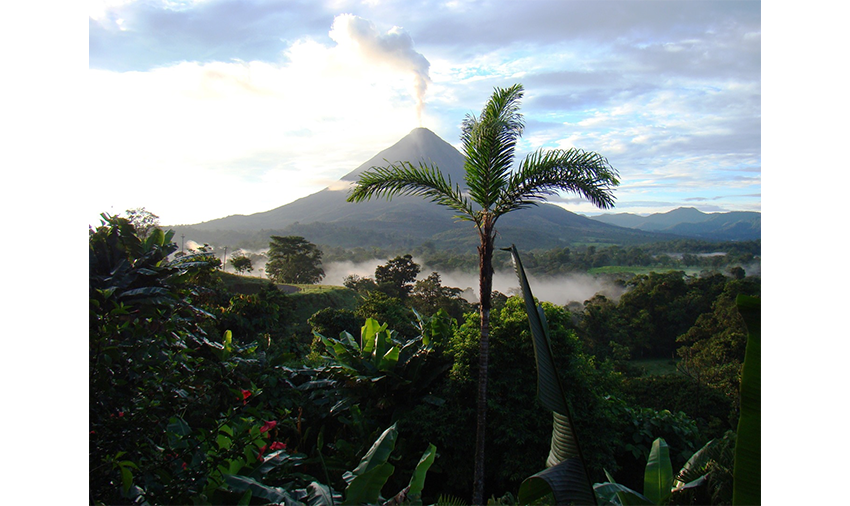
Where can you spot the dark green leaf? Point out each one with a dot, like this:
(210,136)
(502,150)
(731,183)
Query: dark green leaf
(613,493)
(321,495)
(417,481)
(747,473)
(239,483)
(566,481)
(658,477)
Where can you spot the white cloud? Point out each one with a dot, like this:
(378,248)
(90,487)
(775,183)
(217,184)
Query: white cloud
(664,92)
(243,137)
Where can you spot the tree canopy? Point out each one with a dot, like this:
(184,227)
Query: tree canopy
(396,277)
(293,259)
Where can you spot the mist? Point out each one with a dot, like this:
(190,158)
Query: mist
(559,290)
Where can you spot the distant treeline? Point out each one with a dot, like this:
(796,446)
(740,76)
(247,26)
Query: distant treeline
(685,253)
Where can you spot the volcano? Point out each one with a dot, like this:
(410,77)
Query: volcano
(325,218)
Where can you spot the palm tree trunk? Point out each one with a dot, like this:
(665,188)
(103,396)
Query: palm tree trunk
(485,266)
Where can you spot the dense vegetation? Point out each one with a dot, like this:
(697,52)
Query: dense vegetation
(204,393)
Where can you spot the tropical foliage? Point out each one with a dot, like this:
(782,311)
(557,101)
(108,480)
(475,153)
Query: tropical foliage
(489,142)
(709,464)
(210,388)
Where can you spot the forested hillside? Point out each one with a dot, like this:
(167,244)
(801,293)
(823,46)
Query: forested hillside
(211,388)
(690,222)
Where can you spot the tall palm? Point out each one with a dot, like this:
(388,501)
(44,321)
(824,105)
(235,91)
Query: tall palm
(489,141)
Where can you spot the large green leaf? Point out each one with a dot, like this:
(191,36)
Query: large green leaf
(549,388)
(389,360)
(369,334)
(321,495)
(614,493)
(747,474)
(658,477)
(379,452)
(366,487)
(552,394)
(239,483)
(368,478)
(417,481)
(695,468)
(566,482)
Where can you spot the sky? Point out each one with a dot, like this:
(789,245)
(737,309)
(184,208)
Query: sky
(200,109)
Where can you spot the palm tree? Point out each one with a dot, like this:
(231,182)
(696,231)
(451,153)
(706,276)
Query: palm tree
(489,141)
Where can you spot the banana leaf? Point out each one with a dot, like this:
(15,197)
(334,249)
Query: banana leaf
(572,478)
(658,477)
(417,481)
(368,335)
(321,495)
(239,483)
(746,487)
(389,360)
(694,471)
(565,482)
(368,478)
(614,493)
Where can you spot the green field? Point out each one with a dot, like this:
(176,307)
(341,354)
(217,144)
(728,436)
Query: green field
(656,366)
(635,270)
(308,299)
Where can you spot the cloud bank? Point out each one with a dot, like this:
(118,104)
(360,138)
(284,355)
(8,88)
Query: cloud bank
(253,104)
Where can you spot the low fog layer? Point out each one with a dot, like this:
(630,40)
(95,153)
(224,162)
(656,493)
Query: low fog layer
(558,290)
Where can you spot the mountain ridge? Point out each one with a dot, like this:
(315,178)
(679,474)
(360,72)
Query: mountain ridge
(326,218)
(691,222)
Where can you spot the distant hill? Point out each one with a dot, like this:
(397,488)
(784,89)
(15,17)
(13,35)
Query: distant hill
(690,222)
(325,218)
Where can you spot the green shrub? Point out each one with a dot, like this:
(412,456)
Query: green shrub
(709,408)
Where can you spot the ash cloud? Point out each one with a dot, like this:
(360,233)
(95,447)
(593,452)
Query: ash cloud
(393,49)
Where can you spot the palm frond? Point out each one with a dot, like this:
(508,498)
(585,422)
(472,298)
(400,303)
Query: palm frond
(489,142)
(546,172)
(450,500)
(403,178)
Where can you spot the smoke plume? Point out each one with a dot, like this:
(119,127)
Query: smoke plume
(393,49)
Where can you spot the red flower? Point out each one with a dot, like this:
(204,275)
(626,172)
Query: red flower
(274,446)
(268,426)
(245,395)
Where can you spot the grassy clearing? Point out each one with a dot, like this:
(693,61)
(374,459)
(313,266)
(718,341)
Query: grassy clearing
(252,284)
(242,284)
(656,366)
(635,270)
(307,299)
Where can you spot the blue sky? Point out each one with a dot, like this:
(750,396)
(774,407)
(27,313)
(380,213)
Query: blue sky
(243,106)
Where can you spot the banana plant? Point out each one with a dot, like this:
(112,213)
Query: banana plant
(659,482)
(363,484)
(376,352)
(565,480)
